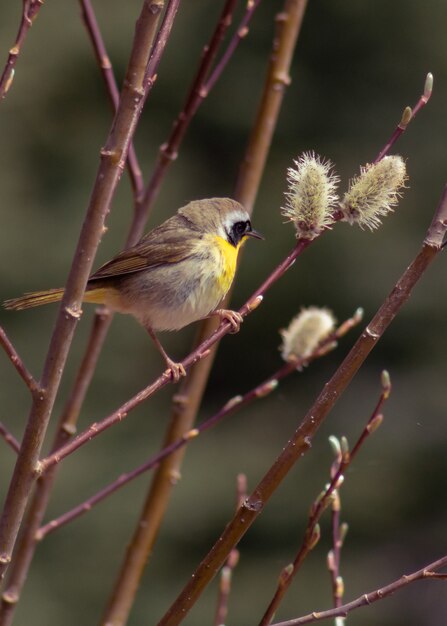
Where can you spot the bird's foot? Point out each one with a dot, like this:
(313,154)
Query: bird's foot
(234,318)
(174,370)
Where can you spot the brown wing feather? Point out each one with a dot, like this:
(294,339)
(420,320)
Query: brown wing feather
(170,243)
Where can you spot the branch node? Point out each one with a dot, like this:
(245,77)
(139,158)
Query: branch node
(72,312)
(174,476)
(10,597)
(283,78)
(232,402)
(167,152)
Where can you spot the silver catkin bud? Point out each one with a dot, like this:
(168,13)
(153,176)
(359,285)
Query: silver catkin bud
(311,195)
(374,193)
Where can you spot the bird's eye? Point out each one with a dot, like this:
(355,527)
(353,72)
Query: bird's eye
(240,227)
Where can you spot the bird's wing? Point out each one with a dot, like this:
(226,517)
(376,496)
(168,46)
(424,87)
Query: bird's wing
(146,254)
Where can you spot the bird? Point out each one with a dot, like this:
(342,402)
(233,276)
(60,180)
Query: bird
(178,273)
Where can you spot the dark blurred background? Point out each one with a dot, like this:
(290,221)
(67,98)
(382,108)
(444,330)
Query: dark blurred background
(357,65)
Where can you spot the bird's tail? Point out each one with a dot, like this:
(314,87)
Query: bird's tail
(37,298)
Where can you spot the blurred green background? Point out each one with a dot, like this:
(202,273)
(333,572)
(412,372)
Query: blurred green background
(357,65)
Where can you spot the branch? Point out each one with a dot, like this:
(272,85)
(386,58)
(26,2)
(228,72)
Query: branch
(235,404)
(427,572)
(231,563)
(113,157)
(197,93)
(9,438)
(29,14)
(300,441)
(312,532)
(201,352)
(407,116)
(17,362)
(105,66)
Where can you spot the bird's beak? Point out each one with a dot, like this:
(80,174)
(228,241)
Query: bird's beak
(254,233)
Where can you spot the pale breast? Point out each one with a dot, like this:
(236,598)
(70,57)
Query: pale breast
(170,297)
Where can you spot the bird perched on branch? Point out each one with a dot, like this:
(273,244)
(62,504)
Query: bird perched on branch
(176,274)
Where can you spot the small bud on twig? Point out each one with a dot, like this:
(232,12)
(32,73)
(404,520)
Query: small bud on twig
(315,537)
(428,87)
(374,193)
(374,423)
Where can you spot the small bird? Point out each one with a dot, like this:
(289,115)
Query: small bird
(176,274)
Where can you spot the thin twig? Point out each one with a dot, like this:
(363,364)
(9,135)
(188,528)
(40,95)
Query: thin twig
(105,66)
(300,441)
(231,563)
(230,407)
(427,572)
(197,93)
(9,438)
(113,157)
(312,534)
(17,362)
(407,116)
(29,14)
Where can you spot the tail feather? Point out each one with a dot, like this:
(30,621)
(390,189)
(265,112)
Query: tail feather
(36,298)
(96,295)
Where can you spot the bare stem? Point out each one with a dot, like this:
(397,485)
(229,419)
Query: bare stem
(427,572)
(300,441)
(407,116)
(17,362)
(231,563)
(9,438)
(328,495)
(105,66)
(29,14)
(197,93)
(233,405)
(113,157)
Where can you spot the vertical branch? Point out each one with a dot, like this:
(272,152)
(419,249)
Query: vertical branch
(169,150)
(289,23)
(232,561)
(187,401)
(113,157)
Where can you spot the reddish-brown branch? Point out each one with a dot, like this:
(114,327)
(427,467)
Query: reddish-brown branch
(29,14)
(311,534)
(105,66)
(231,563)
(17,362)
(113,157)
(407,116)
(427,572)
(233,405)
(300,441)
(9,438)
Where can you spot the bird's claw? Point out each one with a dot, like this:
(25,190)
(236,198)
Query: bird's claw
(234,318)
(174,370)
